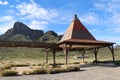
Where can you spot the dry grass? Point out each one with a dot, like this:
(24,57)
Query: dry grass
(35,58)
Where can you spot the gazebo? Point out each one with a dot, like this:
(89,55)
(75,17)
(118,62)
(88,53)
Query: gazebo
(77,37)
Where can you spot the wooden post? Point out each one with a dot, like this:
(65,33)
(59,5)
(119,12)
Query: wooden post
(66,57)
(95,53)
(66,50)
(54,57)
(83,54)
(112,51)
(46,56)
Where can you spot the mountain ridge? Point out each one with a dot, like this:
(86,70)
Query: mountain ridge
(21,32)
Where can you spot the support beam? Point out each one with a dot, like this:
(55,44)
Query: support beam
(83,54)
(54,51)
(95,53)
(112,51)
(46,56)
(66,50)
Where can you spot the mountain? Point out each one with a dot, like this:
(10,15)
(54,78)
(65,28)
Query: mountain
(50,36)
(21,32)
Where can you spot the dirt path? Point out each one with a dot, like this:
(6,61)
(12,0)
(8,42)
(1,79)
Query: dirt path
(88,72)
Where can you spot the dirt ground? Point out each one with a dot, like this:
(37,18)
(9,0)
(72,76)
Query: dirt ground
(87,72)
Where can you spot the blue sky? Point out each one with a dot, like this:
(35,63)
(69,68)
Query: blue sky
(101,17)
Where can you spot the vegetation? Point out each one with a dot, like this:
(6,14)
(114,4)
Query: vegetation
(75,63)
(19,65)
(117,62)
(38,71)
(72,68)
(24,73)
(8,73)
(6,66)
(29,56)
(54,70)
(57,70)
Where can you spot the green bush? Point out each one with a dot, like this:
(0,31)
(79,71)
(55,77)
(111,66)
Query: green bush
(8,73)
(38,71)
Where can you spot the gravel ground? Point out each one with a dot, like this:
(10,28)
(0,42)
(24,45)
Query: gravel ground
(88,72)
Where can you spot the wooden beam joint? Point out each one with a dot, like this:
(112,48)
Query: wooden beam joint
(83,54)
(66,50)
(95,53)
(54,52)
(112,51)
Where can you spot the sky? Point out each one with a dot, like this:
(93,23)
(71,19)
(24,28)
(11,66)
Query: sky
(100,17)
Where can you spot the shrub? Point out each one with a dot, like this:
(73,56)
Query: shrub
(72,68)
(38,71)
(57,64)
(117,63)
(24,72)
(76,63)
(48,70)
(19,65)
(54,70)
(39,64)
(8,73)
(57,70)
(102,61)
(6,66)
(67,69)
(46,65)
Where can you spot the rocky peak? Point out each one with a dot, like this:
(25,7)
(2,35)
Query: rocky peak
(23,30)
(20,26)
(51,33)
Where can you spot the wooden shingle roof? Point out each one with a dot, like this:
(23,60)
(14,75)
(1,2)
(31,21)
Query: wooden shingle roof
(78,36)
(77,30)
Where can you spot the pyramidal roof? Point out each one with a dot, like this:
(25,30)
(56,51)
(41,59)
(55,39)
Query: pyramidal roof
(77,31)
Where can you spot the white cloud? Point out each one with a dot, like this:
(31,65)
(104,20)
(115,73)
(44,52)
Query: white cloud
(108,5)
(4,27)
(4,3)
(103,12)
(6,18)
(11,6)
(6,23)
(34,11)
(100,5)
(90,18)
(37,25)
(115,18)
(61,32)
(111,8)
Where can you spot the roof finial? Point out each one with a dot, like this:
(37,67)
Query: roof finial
(75,17)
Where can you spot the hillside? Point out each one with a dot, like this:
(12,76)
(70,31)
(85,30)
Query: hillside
(21,32)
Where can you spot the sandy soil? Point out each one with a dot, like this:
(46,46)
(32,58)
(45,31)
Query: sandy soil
(88,72)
